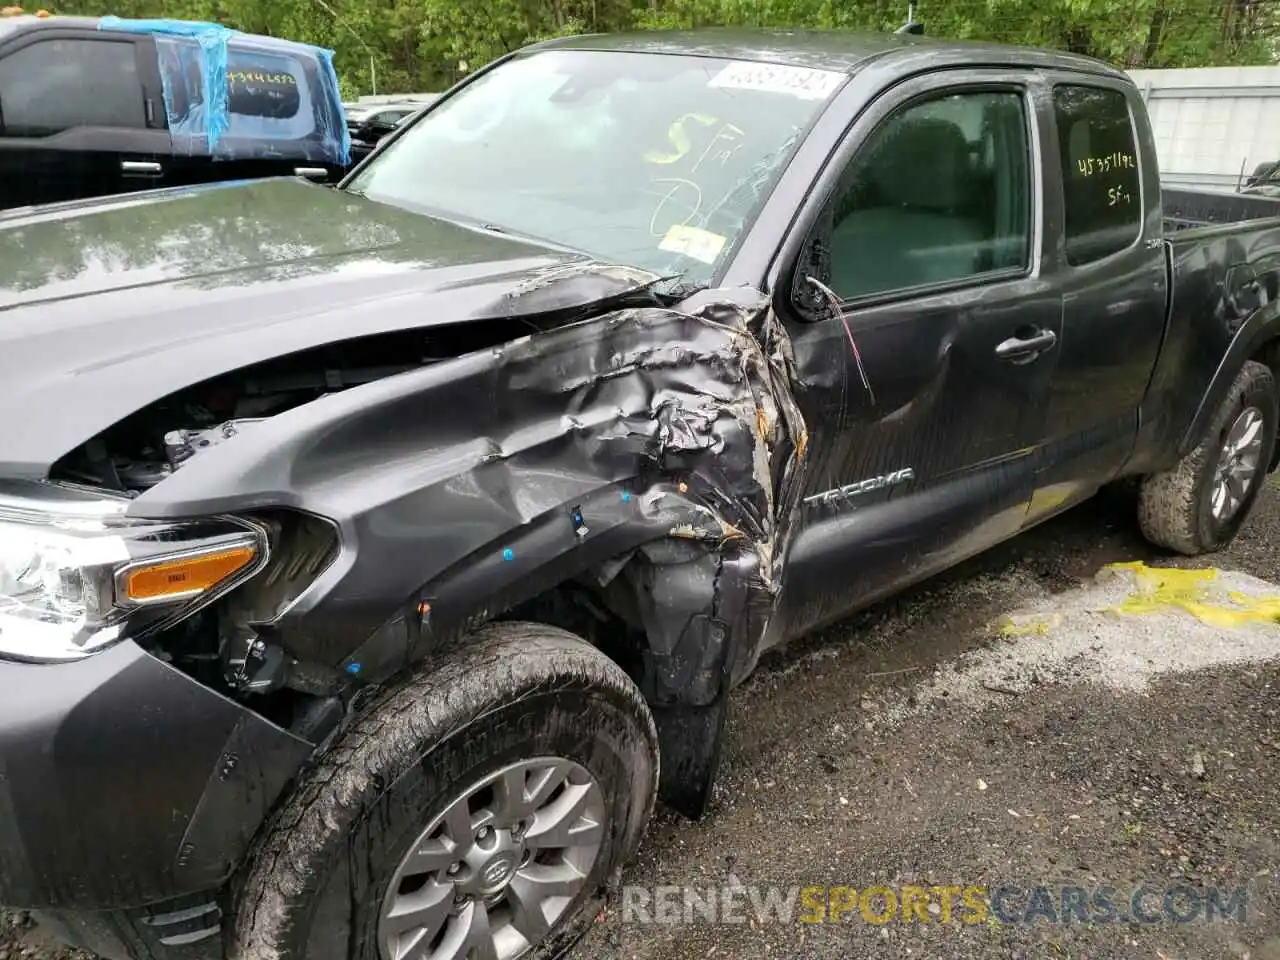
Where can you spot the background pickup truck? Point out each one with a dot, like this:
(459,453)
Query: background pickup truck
(102,105)
(406,539)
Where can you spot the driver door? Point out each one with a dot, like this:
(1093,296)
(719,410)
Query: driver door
(925,341)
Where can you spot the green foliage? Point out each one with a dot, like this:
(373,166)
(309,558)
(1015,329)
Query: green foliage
(422,45)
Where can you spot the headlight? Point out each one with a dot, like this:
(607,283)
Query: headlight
(76,575)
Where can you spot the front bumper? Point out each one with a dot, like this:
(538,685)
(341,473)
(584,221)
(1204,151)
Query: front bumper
(125,783)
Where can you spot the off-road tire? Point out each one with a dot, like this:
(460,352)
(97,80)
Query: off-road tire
(1174,506)
(315,884)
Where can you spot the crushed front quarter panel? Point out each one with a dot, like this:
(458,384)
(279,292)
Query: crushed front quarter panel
(465,488)
(463,477)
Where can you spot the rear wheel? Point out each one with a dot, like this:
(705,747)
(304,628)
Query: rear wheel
(1200,504)
(477,811)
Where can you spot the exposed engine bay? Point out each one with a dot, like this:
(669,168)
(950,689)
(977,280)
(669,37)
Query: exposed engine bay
(144,449)
(232,645)
(651,511)
(236,646)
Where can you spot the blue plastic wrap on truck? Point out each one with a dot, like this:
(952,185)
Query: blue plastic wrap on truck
(239,96)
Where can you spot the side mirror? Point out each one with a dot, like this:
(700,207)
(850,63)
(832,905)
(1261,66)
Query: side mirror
(813,300)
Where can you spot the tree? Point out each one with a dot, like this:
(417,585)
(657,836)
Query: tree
(422,45)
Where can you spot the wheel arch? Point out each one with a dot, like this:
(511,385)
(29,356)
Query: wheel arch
(1176,507)
(300,886)
(1257,338)
(683,609)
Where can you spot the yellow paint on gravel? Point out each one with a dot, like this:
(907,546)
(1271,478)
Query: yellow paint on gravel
(1039,626)
(1160,589)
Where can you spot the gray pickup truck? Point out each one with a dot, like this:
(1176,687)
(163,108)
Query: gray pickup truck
(372,559)
(96,106)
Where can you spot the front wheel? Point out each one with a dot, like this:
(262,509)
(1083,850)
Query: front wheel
(476,811)
(1200,504)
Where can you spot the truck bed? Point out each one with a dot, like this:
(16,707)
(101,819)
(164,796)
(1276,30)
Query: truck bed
(1195,209)
(1222,250)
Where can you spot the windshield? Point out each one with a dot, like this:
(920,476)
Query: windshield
(650,160)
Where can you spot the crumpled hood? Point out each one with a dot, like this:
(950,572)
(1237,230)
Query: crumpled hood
(108,305)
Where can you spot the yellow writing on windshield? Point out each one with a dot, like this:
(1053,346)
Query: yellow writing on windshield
(678,136)
(682,196)
(720,146)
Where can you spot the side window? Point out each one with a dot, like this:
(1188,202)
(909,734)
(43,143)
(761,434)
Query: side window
(267,96)
(54,85)
(941,191)
(263,85)
(1101,178)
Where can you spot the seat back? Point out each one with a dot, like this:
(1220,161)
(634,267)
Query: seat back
(908,225)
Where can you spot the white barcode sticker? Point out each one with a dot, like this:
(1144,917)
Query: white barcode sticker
(803,82)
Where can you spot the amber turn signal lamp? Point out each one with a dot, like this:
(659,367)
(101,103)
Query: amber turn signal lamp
(186,576)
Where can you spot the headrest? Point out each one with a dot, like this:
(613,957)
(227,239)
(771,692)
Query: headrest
(921,163)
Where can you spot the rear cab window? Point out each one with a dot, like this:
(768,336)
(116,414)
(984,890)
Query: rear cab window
(60,83)
(269,96)
(268,87)
(1101,177)
(268,93)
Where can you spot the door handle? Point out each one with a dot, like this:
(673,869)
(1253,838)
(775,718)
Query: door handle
(143,167)
(311,173)
(1025,349)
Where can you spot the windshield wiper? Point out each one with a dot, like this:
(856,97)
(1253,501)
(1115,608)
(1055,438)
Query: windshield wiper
(679,289)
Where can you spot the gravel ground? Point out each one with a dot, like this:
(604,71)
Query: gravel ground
(917,745)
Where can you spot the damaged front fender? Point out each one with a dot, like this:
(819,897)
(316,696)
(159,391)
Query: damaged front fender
(463,489)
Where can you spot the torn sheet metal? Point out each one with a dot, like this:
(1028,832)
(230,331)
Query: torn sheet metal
(475,483)
(234,95)
(657,452)
(590,287)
